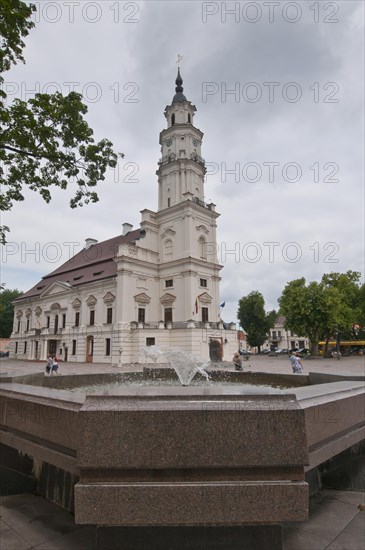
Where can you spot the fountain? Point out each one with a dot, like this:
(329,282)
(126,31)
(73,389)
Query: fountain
(186,365)
(181,467)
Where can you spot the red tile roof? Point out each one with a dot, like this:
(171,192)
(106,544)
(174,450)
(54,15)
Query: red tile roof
(88,265)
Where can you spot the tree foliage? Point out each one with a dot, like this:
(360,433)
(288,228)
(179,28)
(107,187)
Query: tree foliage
(321,310)
(7,311)
(45,141)
(253,318)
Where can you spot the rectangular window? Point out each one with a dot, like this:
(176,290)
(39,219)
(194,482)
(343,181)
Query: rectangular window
(141,314)
(77,319)
(64,320)
(279,333)
(73,347)
(301,344)
(28,325)
(205,316)
(150,341)
(16,348)
(274,334)
(18,329)
(168,314)
(203,282)
(25,347)
(107,346)
(109,315)
(48,321)
(92,316)
(169,283)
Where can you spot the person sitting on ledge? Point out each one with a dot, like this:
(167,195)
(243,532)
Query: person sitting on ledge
(237,362)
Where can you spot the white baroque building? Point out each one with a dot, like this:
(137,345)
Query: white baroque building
(158,284)
(281,338)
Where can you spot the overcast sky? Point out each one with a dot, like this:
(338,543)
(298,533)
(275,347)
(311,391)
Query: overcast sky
(284,149)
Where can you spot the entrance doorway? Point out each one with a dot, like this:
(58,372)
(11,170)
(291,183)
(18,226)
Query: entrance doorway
(215,350)
(89,349)
(52,347)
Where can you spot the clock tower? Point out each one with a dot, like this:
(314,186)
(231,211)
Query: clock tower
(181,168)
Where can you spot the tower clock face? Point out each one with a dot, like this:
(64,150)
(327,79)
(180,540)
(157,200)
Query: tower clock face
(169,142)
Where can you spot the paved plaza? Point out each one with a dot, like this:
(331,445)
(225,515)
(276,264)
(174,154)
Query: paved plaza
(353,366)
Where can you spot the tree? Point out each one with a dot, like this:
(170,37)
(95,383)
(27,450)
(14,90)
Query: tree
(254,320)
(320,310)
(45,141)
(7,311)
(349,313)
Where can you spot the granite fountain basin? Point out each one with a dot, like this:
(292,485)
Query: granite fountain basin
(185,467)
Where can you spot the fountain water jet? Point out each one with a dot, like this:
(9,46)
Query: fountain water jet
(186,365)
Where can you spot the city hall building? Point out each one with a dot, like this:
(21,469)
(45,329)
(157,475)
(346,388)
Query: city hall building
(155,285)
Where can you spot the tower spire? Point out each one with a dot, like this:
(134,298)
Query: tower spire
(179,96)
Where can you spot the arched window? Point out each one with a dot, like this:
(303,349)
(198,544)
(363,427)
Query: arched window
(189,118)
(172,119)
(202,248)
(168,201)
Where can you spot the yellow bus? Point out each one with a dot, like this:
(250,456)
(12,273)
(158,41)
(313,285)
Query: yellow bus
(347,347)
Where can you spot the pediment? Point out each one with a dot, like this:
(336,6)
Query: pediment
(91,301)
(202,229)
(142,298)
(38,310)
(76,303)
(168,232)
(19,314)
(205,298)
(167,298)
(56,288)
(28,313)
(109,298)
(54,306)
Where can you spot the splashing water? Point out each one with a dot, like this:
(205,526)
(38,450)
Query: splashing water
(185,364)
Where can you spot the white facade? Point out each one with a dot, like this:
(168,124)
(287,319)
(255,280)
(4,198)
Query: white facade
(281,338)
(158,284)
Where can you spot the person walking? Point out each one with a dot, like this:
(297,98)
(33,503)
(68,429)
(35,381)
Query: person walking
(296,363)
(49,364)
(54,369)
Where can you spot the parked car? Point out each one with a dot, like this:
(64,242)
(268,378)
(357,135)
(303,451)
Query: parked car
(245,352)
(4,354)
(283,351)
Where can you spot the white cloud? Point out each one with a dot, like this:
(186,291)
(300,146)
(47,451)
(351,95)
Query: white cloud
(125,61)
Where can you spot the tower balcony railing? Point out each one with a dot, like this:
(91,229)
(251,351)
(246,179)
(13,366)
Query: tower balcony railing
(197,158)
(166,159)
(171,157)
(202,203)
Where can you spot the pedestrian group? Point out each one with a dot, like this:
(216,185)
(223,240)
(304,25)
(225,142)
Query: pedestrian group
(52,365)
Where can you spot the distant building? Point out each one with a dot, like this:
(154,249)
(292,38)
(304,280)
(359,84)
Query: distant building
(280,338)
(155,285)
